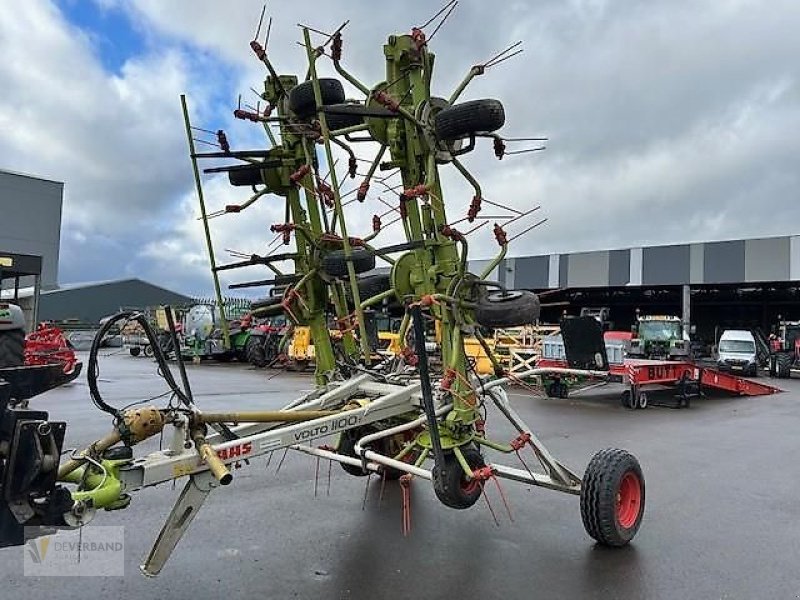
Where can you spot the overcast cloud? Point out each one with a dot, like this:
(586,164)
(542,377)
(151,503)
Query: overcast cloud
(669,121)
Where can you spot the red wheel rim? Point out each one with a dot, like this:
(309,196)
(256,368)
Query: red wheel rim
(629,500)
(469,486)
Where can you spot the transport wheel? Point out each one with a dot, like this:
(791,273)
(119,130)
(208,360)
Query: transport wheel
(302,101)
(334,263)
(552,390)
(12,348)
(255,352)
(450,483)
(626,399)
(135,351)
(347,446)
(467,118)
(563,390)
(641,400)
(148,351)
(612,497)
(508,309)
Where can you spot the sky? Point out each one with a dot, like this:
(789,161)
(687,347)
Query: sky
(668,121)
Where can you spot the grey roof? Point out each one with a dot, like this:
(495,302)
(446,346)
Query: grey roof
(29,176)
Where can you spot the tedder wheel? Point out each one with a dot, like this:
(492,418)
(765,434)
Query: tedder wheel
(626,399)
(450,483)
(641,400)
(342,120)
(467,118)
(148,351)
(507,309)
(254,351)
(612,497)
(334,263)
(12,348)
(135,351)
(347,446)
(301,96)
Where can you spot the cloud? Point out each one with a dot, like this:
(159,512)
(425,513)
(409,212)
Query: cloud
(668,121)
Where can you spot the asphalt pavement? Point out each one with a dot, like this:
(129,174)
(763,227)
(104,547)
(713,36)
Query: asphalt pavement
(722,518)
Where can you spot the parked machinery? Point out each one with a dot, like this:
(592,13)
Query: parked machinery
(659,337)
(785,349)
(396,418)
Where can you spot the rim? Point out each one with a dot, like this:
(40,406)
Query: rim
(629,500)
(468,486)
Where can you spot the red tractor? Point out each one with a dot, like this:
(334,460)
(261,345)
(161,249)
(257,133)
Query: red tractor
(784,349)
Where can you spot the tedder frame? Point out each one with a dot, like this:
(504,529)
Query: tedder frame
(398,417)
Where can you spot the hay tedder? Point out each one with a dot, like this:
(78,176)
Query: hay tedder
(397,417)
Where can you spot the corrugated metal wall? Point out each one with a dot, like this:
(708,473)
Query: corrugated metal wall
(31,220)
(737,261)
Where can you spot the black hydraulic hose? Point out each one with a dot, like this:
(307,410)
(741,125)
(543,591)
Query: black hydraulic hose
(94,371)
(425,385)
(173,336)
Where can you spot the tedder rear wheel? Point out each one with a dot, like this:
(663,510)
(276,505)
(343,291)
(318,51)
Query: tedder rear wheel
(450,483)
(347,447)
(612,497)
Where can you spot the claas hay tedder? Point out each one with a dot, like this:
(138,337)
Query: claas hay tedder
(397,417)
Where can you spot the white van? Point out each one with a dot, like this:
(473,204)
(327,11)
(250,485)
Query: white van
(737,352)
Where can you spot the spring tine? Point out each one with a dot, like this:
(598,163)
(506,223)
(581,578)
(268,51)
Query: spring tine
(505,58)
(433,18)
(489,62)
(260,21)
(444,18)
(534,226)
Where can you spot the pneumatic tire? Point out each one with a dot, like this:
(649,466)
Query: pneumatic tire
(450,483)
(335,263)
(612,497)
(508,309)
(468,118)
(255,353)
(301,97)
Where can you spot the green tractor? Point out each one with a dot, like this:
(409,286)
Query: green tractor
(659,337)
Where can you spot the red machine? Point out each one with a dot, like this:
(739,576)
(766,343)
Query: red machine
(47,345)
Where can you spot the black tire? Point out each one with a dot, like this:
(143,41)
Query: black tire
(255,352)
(552,390)
(467,118)
(135,351)
(641,400)
(335,264)
(372,285)
(148,351)
(342,120)
(347,447)
(626,399)
(563,391)
(508,309)
(301,96)
(450,483)
(783,366)
(12,348)
(612,497)
(246,177)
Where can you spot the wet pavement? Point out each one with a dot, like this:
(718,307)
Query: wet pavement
(722,517)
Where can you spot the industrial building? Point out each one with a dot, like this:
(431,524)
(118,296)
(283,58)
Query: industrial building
(30,237)
(711,285)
